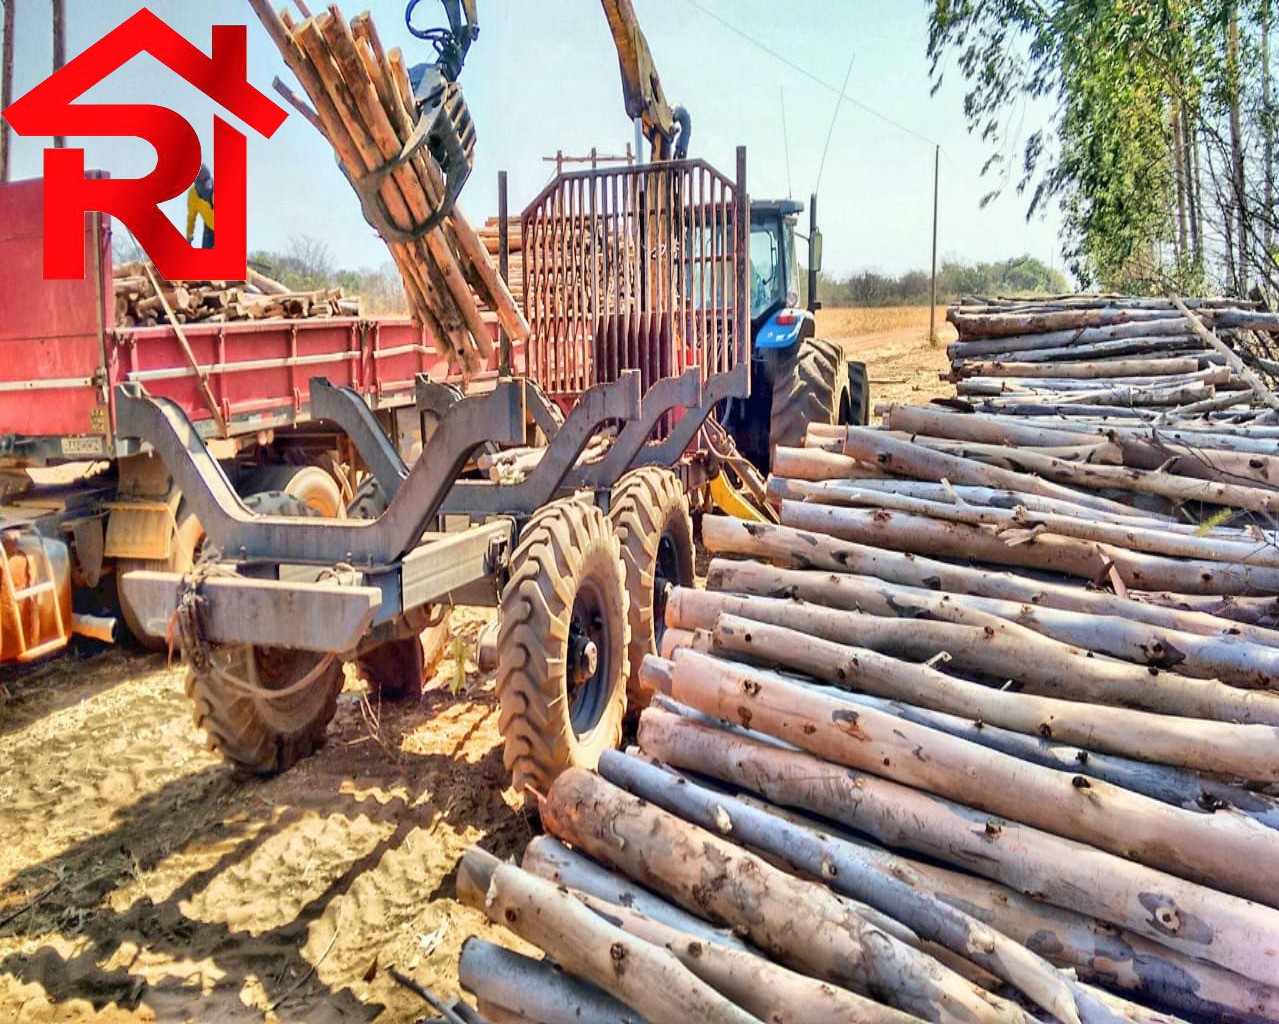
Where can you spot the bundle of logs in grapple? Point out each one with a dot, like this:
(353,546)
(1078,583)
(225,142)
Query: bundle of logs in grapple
(362,102)
(1135,358)
(985,730)
(138,303)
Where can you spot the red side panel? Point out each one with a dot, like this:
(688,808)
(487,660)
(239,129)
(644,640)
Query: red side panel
(50,331)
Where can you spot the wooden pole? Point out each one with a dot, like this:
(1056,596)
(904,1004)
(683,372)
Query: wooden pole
(932,300)
(59,50)
(6,84)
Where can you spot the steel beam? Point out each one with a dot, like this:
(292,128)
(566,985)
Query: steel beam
(734,384)
(345,407)
(241,535)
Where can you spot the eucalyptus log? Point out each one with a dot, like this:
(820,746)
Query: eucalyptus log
(548,858)
(1119,348)
(542,991)
(803,549)
(1169,325)
(1237,365)
(1194,920)
(1228,659)
(799,923)
(769,991)
(841,867)
(651,981)
(1090,561)
(1033,662)
(1235,855)
(1083,369)
(1219,747)
(813,464)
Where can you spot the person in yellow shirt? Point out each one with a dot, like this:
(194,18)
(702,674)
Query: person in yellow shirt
(200,204)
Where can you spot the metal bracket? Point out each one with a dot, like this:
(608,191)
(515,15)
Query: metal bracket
(239,534)
(619,400)
(349,411)
(733,384)
(683,392)
(546,414)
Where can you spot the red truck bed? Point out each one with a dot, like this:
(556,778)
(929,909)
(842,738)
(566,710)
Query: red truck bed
(61,354)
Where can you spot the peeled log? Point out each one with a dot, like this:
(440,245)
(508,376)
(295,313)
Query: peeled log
(1087,560)
(1084,370)
(1196,921)
(843,869)
(1036,663)
(1233,854)
(769,991)
(545,993)
(800,924)
(801,549)
(1219,747)
(649,980)
(1228,659)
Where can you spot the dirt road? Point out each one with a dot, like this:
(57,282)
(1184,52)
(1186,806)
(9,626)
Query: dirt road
(141,879)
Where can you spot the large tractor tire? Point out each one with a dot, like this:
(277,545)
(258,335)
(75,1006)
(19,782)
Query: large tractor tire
(398,670)
(187,538)
(232,692)
(651,516)
(810,385)
(562,643)
(311,484)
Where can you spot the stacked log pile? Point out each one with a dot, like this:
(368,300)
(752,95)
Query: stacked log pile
(139,304)
(362,102)
(986,729)
(1134,358)
(490,236)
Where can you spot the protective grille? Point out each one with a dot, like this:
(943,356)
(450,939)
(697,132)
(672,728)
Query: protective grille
(636,268)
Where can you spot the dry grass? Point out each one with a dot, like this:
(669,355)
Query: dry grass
(893,343)
(861,320)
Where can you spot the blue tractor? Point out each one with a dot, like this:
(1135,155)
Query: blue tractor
(797,378)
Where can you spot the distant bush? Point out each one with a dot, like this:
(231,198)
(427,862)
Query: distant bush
(1021,275)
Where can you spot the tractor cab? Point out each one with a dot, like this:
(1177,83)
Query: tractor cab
(796,377)
(777,321)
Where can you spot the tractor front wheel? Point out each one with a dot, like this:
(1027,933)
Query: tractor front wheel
(562,642)
(651,515)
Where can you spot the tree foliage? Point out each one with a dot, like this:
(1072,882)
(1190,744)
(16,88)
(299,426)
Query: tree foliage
(1159,150)
(1021,275)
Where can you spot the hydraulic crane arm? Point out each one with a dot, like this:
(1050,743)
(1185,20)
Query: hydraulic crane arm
(668,129)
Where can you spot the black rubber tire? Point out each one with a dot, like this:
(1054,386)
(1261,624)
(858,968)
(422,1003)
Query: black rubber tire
(266,735)
(567,577)
(398,669)
(651,516)
(369,501)
(809,386)
(858,394)
(313,484)
(186,545)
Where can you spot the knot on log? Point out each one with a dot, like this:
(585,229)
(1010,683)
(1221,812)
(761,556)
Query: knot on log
(617,952)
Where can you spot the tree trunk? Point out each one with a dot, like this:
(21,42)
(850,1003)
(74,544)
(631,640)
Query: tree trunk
(1037,664)
(1085,560)
(799,923)
(651,981)
(1228,853)
(1226,659)
(1198,922)
(1238,198)
(844,870)
(544,993)
(801,549)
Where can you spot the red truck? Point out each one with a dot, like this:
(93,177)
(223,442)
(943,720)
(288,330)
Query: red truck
(68,533)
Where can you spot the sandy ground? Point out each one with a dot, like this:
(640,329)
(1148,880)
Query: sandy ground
(141,879)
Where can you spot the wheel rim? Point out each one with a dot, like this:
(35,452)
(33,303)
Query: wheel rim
(590,658)
(666,575)
(278,668)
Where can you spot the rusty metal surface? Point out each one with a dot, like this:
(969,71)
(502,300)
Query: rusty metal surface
(636,268)
(35,594)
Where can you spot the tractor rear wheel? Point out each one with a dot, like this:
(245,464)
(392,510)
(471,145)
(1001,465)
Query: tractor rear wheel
(399,669)
(562,644)
(858,394)
(651,516)
(810,385)
(311,484)
(264,708)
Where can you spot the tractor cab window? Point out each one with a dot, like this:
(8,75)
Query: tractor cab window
(768,284)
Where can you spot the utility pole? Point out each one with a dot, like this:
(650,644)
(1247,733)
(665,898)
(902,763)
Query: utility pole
(59,50)
(6,84)
(932,293)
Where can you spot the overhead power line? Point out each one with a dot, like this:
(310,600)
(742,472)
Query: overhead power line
(800,69)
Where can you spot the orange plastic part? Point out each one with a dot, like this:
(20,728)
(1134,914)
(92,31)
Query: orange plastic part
(35,595)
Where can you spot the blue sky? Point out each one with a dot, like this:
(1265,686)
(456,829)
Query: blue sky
(543,77)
